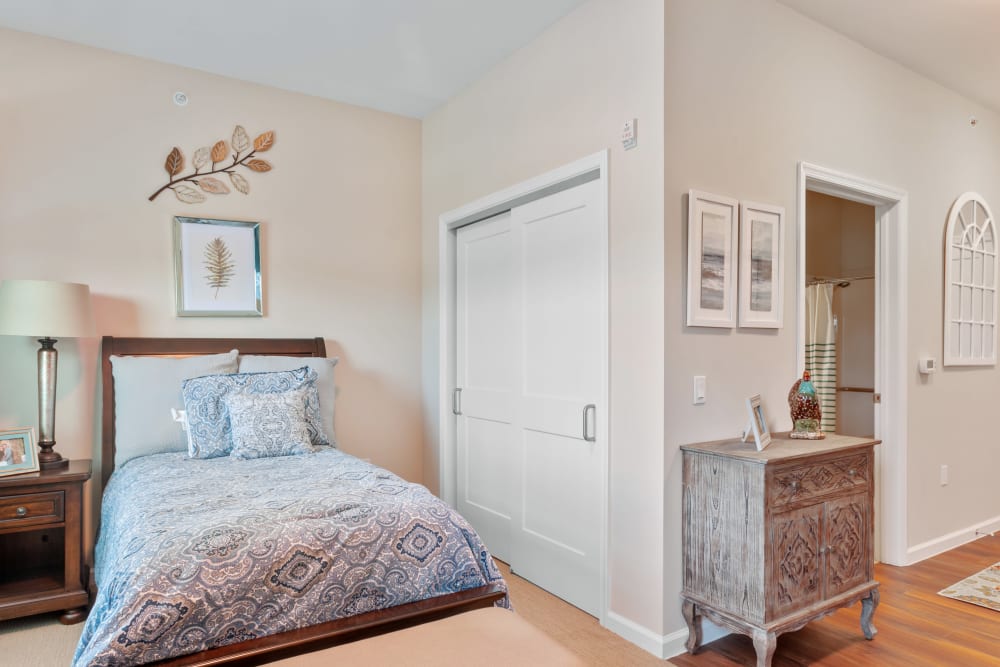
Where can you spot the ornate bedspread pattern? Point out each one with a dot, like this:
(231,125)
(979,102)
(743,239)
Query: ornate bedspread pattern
(195,554)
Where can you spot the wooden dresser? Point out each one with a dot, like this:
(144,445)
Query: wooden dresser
(778,538)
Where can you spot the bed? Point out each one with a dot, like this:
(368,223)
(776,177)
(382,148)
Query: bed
(228,561)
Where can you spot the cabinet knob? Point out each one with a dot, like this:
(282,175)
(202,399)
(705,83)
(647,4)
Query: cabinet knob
(794,485)
(21,511)
(852,472)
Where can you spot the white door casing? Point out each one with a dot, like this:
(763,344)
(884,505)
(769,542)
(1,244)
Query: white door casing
(890,338)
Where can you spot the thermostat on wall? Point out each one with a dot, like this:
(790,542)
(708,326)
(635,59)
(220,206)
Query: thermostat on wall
(928,365)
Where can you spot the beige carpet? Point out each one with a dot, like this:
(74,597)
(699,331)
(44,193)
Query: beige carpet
(38,641)
(41,641)
(982,588)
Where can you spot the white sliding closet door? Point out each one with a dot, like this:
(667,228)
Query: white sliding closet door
(534,453)
(557,531)
(484,347)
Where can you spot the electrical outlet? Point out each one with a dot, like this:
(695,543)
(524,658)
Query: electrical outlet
(944,475)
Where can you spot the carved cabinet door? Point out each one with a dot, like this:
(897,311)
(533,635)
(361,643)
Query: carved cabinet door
(796,540)
(847,556)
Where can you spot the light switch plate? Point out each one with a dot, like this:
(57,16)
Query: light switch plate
(699,390)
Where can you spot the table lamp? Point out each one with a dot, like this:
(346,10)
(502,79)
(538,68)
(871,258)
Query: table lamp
(49,310)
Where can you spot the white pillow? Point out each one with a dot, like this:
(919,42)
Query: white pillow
(146,389)
(256,363)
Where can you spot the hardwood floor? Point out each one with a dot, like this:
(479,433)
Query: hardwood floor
(574,629)
(916,626)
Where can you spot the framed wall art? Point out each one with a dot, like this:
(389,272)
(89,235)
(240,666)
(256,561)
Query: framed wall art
(970,287)
(217,268)
(762,238)
(17,451)
(712,260)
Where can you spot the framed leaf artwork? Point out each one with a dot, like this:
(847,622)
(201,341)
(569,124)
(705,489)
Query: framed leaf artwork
(217,268)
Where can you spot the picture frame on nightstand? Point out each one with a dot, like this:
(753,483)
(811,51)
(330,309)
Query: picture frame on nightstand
(18,454)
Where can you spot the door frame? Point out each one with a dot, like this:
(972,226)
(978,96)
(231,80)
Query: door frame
(891,206)
(590,168)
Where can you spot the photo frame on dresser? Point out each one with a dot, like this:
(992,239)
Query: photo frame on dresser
(217,268)
(17,451)
(757,424)
(712,260)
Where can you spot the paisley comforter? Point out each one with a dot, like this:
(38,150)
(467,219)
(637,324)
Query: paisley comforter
(195,554)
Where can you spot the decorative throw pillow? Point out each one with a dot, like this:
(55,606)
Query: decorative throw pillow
(209,430)
(146,388)
(271,424)
(257,363)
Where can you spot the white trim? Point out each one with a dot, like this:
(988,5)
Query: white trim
(891,206)
(662,646)
(939,545)
(592,167)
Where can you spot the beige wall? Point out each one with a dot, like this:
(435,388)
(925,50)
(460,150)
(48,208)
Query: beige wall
(752,88)
(563,97)
(85,134)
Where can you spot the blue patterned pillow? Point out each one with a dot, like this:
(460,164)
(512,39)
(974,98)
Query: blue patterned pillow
(266,425)
(209,429)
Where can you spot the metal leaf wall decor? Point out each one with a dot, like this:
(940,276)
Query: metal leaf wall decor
(191,189)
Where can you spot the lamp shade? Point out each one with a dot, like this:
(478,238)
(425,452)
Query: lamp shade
(43,308)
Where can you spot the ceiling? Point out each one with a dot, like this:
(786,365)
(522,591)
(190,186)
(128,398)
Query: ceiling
(402,56)
(953,42)
(410,56)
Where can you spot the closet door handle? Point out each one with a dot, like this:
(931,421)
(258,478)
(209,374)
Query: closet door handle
(456,401)
(590,407)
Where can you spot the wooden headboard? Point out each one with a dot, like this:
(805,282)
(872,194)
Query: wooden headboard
(178,347)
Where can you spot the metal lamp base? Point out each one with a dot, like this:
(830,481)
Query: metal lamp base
(48,359)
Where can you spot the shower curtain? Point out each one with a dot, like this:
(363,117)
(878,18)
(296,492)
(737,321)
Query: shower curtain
(821,351)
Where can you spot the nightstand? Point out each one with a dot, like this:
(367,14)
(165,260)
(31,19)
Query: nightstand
(41,543)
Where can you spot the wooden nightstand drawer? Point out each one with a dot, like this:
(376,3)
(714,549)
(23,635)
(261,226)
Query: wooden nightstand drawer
(31,509)
(807,481)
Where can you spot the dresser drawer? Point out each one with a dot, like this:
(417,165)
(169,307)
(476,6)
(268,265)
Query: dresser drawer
(807,481)
(31,509)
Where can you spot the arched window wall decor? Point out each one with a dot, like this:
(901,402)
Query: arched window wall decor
(970,299)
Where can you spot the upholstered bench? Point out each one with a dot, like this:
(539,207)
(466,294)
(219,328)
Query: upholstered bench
(489,636)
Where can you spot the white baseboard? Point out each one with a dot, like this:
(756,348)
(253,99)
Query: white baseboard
(662,646)
(939,545)
(639,635)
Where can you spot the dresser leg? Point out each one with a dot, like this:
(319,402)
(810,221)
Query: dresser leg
(868,606)
(764,643)
(693,619)
(72,616)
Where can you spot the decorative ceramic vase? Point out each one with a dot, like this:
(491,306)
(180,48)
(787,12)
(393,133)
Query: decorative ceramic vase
(806,413)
